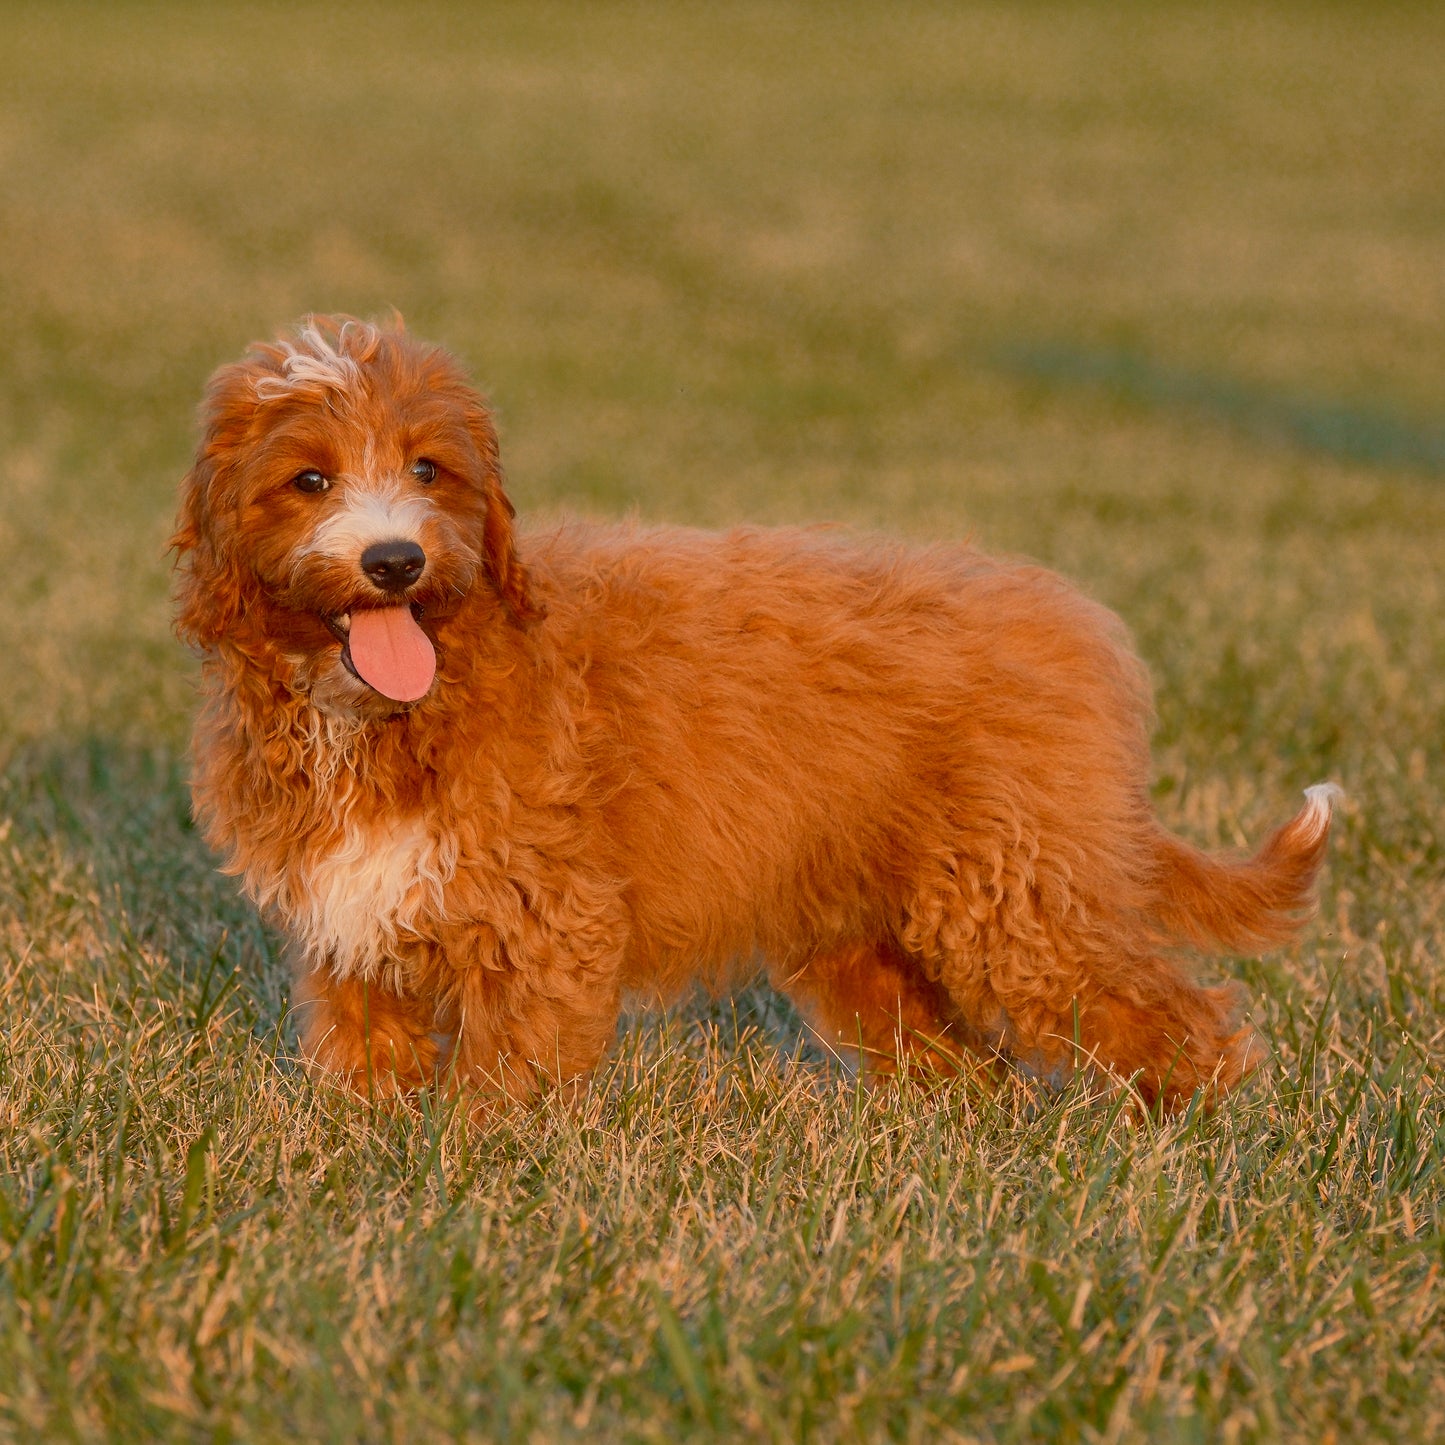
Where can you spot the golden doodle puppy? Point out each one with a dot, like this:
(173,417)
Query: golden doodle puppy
(492,783)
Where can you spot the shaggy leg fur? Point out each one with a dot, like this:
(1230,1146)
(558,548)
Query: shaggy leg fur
(1154,1028)
(363,1035)
(1103,988)
(875,1007)
(511,1043)
(1182,1040)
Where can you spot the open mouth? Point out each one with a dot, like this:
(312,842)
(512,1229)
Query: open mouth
(385,648)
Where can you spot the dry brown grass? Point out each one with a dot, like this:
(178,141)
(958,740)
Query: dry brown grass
(765,263)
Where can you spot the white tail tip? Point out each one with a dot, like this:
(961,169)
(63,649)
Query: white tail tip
(1320,803)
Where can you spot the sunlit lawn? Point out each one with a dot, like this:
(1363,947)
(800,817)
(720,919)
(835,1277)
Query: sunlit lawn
(1154,294)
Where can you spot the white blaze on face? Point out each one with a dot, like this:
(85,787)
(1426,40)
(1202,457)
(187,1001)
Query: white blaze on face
(367,515)
(388,650)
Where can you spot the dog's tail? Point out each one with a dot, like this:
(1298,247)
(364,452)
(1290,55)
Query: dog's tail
(1252,903)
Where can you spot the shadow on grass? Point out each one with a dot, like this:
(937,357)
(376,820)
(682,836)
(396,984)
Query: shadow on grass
(1373,436)
(101,859)
(101,847)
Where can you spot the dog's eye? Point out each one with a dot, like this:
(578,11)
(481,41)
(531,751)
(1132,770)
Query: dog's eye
(424,471)
(310,481)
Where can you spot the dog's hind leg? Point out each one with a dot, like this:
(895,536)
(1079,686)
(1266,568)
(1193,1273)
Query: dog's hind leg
(1151,1020)
(1144,1016)
(1065,980)
(1170,1037)
(1058,1002)
(1078,954)
(871,1005)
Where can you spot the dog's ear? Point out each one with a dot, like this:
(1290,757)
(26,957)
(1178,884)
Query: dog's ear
(209,594)
(210,586)
(504,567)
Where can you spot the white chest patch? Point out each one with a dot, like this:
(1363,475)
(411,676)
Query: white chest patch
(349,907)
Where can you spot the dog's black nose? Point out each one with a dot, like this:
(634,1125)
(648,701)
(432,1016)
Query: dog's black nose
(394,565)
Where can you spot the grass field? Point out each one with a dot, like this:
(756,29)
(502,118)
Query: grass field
(1154,294)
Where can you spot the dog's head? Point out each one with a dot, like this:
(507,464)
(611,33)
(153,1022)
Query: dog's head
(345,502)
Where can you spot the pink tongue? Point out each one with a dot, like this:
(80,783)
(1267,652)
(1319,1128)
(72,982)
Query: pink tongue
(392,653)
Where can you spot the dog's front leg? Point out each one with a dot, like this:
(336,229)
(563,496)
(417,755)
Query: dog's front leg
(529,975)
(517,1035)
(362,1034)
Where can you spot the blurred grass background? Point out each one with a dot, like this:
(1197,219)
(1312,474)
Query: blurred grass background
(1155,293)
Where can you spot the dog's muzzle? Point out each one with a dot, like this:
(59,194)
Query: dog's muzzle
(393,565)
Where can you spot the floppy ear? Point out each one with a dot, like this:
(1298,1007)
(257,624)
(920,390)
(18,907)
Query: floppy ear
(210,592)
(505,569)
